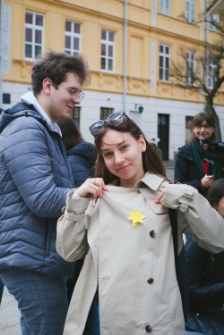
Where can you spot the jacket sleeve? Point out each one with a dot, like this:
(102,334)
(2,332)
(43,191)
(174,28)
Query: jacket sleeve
(29,162)
(181,172)
(71,242)
(195,216)
(80,171)
(198,263)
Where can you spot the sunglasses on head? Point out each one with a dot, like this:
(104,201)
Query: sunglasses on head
(113,120)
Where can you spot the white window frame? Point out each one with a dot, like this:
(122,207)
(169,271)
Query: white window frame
(164,55)
(213,18)
(190,11)
(191,65)
(107,43)
(164,7)
(72,35)
(34,28)
(211,78)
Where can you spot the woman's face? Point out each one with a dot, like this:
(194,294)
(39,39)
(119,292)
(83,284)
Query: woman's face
(203,130)
(220,207)
(122,154)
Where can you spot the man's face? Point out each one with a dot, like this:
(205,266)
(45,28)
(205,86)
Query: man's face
(64,98)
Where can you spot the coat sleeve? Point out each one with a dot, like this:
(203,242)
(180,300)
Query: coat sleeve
(71,242)
(196,217)
(181,172)
(198,263)
(29,162)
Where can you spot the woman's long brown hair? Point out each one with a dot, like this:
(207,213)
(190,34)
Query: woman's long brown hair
(152,161)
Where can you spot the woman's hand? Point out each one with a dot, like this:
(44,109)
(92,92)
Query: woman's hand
(160,198)
(92,188)
(207,181)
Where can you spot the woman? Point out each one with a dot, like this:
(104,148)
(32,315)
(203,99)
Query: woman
(80,153)
(196,167)
(206,312)
(120,222)
(81,159)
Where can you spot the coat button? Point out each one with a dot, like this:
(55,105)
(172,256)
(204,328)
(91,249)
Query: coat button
(150,280)
(148,329)
(152,233)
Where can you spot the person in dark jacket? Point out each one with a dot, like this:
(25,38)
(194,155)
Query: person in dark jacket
(196,167)
(1,283)
(35,178)
(80,153)
(81,158)
(206,310)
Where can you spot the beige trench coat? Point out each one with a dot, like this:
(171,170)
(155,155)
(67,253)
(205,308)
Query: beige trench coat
(133,267)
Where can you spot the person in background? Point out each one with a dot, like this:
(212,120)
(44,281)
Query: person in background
(119,221)
(35,178)
(206,269)
(153,142)
(80,153)
(1,283)
(196,167)
(81,158)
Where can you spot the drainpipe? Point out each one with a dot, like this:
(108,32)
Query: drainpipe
(1,51)
(125,55)
(206,43)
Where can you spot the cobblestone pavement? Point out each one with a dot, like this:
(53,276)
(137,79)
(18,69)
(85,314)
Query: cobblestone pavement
(9,313)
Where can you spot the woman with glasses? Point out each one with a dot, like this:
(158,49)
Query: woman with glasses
(195,166)
(119,221)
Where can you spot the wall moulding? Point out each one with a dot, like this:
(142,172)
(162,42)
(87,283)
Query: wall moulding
(138,86)
(25,67)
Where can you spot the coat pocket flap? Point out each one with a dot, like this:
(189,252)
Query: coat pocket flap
(149,196)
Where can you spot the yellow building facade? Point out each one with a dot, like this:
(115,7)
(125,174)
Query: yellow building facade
(130,46)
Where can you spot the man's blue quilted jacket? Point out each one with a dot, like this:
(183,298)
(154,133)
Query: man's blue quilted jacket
(34,179)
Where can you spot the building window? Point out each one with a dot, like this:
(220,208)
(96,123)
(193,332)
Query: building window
(72,38)
(34,32)
(188,127)
(164,7)
(76,115)
(107,50)
(6,98)
(211,73)
(190,67)
(105,112)
(164,62)
(213,20)
(190,11)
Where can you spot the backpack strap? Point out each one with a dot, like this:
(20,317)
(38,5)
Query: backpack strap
(180,263)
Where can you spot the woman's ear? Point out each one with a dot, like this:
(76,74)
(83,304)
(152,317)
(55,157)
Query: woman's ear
(142,143)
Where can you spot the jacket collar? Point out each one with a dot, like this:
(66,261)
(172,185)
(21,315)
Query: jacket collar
(150,180)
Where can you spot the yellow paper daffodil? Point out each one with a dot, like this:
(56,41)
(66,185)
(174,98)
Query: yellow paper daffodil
(136,218)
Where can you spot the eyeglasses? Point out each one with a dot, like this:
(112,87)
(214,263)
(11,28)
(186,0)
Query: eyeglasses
(75,93)
(205,126)
(113,120)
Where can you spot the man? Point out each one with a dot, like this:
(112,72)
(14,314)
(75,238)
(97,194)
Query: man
(35,178)
(153,142)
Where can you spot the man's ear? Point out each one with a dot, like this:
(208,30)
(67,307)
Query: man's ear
(142,143)
(47,85)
